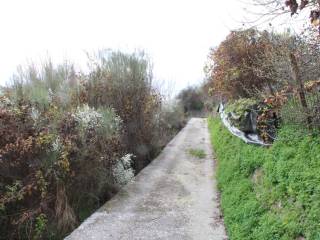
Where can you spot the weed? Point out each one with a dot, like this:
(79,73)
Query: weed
(199,153)
(40,225)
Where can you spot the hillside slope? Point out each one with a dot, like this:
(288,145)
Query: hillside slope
(268,193)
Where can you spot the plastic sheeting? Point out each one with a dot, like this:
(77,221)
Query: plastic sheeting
(247,138)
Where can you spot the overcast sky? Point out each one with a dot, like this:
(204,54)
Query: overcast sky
(176,34)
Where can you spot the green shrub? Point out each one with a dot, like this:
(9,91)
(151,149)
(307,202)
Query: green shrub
(268,193)
(191,100)
(240,106)
(45,84)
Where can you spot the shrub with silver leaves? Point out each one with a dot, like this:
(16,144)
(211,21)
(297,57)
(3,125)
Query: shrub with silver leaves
(87,117)
(123,171)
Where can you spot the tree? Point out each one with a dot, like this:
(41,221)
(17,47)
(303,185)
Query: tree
(191,100)
(232,71)
(275,8)
(277,61)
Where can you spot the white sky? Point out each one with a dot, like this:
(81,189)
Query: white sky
(177,34)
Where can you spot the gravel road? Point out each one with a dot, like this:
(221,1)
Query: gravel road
(174,197)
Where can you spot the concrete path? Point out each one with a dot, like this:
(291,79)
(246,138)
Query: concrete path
(174,197)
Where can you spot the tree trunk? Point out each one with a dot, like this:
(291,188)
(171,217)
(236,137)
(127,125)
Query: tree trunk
(298,80)
(270,88)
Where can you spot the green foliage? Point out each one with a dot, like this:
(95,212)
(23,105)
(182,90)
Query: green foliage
(191,100)
(268,193)
(40,225)
(199,153)
(293,113)
(240,106)
(257,117)
(45,84)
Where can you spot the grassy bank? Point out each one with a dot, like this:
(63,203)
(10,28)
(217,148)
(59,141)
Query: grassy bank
(269,193)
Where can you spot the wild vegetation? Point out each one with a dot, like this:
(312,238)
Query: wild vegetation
(268,193)
(198,153)
(269,84)
(70,140)
(192,100)
(280,71)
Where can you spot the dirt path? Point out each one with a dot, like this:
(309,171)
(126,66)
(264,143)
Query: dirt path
(173,198)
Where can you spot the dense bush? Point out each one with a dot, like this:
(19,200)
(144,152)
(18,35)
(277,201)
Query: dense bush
(232,65)
(45,83)
(268,193)
(239,107)
(70,140)
(260,117)
(284,106)
(46,157)
(192,100)
(124,82)
(250,63)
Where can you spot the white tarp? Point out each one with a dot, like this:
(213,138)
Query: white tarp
(247,138)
